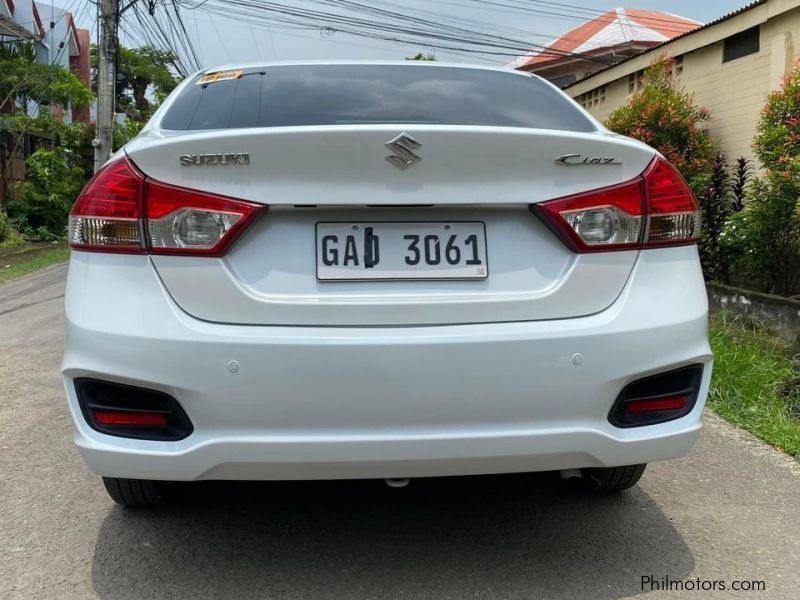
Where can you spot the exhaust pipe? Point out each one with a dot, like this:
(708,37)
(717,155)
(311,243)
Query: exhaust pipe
(571,474)
(397,483)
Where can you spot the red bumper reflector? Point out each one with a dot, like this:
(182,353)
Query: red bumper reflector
(136,419)
(657,404)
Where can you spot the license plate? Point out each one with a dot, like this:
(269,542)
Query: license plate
(401,250)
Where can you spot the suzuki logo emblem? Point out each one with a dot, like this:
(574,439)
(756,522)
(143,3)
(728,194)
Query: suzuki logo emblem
(402,148)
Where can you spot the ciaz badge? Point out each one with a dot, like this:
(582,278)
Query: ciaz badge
(576,160)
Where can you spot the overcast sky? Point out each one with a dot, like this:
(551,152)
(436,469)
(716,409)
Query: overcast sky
(220,40)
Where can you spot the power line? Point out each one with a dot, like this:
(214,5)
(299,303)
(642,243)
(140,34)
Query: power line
(669,25)
(185,35)
(392,26)
(285,32)
(164,38)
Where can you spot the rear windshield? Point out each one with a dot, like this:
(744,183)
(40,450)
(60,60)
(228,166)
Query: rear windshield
(297,95)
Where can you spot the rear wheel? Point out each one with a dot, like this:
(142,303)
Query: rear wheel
(613,479)
(132,493)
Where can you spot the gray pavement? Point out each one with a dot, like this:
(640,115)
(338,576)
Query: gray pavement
(729,511)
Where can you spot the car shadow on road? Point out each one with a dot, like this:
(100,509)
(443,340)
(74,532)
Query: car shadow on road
(520,536)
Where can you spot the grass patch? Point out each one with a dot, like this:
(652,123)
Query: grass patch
(13,267)
(755,385)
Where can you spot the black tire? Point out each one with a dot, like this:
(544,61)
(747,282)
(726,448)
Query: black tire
(132,493)
(613,479)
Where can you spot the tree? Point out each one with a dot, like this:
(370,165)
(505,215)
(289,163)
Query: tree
(29,89)
(421,56)
(25,83)
(664,116)
(144,78)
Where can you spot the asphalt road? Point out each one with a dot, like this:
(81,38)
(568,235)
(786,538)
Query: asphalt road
(729,511)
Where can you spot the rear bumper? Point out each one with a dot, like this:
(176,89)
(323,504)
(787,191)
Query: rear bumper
(325,403)
(268,458)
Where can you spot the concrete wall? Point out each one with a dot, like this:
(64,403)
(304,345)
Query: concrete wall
(734,92)
(778,314)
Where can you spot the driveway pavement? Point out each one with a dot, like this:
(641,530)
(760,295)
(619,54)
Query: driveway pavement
(729,511)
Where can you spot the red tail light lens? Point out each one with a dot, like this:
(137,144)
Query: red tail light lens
(655,209)
(107,214)
(133,419)
(656,405)
(120,210)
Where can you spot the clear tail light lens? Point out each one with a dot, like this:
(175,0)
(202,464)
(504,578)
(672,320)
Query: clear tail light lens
(674,212)
(187,221)
(655,209)
(120,210)
(607,219)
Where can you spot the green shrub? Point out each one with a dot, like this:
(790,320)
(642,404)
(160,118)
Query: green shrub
(46,196)
(764,239)
(722,198)
(5,227)
(777,141)
(742,174)
(664,116)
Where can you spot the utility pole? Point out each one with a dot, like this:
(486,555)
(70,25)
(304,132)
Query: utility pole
(106,80)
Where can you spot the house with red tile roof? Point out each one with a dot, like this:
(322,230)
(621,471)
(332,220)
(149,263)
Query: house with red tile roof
(729,65)
(606,39)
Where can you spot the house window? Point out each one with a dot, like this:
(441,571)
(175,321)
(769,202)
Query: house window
(741,44)
(635,81)
(601,94)
(591,99)
(677,66)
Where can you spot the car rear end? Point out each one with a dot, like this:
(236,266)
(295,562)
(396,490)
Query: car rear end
(327,271)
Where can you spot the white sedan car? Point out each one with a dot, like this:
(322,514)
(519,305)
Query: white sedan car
(381,270)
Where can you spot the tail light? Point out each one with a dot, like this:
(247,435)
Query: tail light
(655,209)
(121,210)
(107,214)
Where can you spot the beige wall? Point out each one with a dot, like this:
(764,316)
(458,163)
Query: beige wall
(734,92)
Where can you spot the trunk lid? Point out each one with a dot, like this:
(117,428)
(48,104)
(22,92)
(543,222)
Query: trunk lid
(323,174)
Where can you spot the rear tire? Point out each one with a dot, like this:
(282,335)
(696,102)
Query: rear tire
(613,479)
(132,493)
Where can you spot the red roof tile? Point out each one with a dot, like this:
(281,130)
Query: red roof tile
(616,27)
